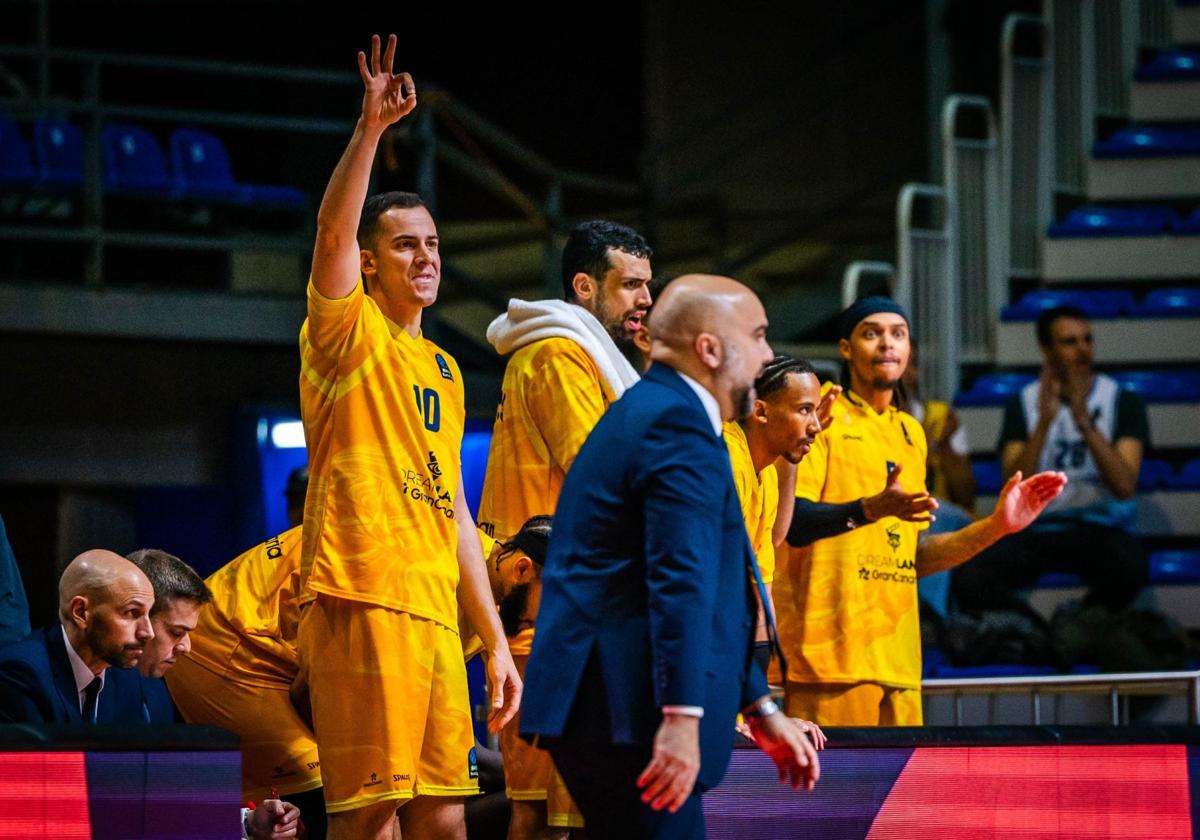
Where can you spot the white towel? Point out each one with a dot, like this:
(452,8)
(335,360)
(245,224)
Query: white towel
(535,320)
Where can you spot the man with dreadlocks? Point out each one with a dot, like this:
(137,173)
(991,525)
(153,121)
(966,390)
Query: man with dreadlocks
(847,601)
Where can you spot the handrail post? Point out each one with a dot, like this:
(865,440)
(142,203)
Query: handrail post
(425,140)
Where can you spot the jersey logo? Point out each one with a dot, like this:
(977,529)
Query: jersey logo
(891,465)
(893,536)
(444,367)
(472,764)
(434,468)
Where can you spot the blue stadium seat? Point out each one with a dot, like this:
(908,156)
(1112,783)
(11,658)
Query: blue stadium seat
(1150,141)
(1155,474)
(1086,222)
(1169,303)
(988,476)
(134,162)
(1171,66)
(1188,226)
(1188,477)
(1162,386)
(16,164)
(993,389)
(203,171)
(1058,580)
(1174,567)
(58,147)
(949,672)
(1097,304)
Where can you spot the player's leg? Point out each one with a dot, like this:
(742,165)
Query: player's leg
(376,821)
(446,768)
(834,705)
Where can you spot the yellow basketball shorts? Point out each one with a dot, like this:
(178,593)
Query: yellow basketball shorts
(389,704)
(278,748)
(853,704)
(529,773)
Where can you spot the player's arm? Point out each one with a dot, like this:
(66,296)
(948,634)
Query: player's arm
(386,98)
(1019,504)
(1119,460)
(475,600)
(565,402)
(1021,448)
(814,521)
(787,502)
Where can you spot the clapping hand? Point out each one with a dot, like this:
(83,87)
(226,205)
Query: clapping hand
(1021,502)
(893,501)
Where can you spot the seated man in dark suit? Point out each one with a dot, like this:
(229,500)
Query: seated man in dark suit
(643,654)
(179,593)
(80,668)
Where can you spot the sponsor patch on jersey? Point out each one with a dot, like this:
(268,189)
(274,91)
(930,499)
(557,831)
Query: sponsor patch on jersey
(444,367)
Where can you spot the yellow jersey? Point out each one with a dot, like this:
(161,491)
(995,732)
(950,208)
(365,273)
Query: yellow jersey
(847,605)
(551,398)
(383,416)
(247,633)
(758,493)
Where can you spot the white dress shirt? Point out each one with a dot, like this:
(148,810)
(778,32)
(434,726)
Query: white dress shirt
(83,674)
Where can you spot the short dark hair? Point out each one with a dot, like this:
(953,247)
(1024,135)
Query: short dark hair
(587,250)
(376,206)
(774,375)
(1046,320)
(172,579)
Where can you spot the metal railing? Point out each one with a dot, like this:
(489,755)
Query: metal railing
(976,225)
(427,140)
(924,280)
(1026,142)
(852,276)
(1073,24)
(1118,30)
(1117,687)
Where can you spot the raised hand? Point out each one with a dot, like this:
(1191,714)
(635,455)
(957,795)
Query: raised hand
(1021,502)
(893,501)
(825,406)
(387,96)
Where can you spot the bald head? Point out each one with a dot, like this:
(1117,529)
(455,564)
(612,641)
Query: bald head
(713,329)
(104,603)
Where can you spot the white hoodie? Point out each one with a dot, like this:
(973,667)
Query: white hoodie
(530,321)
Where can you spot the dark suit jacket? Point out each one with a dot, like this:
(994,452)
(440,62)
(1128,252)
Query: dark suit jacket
(37,685)
(647,583)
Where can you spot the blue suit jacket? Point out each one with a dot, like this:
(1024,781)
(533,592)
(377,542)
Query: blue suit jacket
(37,685)
(647,582)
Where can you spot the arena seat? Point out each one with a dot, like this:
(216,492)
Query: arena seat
(58,147)
(1188,226)
(16,164)
(1169,303)
(202,170)
(475,446)
(989,477)
(134,162)
(1150,141)
(1167,568)
(1163,386)
(1096,304)
(1154,474)
(1187,478)
(1146,220)
(993,389)
(1170,66)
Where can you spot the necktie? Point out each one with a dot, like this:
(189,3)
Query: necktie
(91,696)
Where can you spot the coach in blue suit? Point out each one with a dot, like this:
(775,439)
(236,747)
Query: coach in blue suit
(79,669)
(643,652)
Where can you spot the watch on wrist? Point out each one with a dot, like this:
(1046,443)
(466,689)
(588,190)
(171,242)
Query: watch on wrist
(757,711)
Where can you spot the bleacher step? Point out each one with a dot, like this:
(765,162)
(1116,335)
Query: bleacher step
(1162,513)
(1118,341)
(1130,258)
(1171,425)
(1174,101)
(1128,179)
(1185,23)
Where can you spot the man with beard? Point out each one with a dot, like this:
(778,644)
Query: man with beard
(569,363)
(1083,423)
(848,617)
(80,669)
(644,651)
